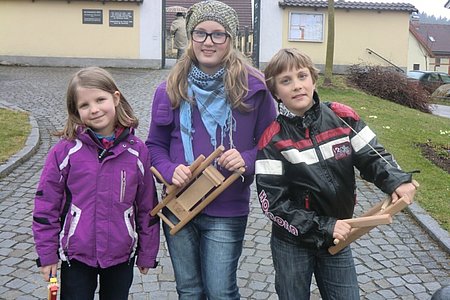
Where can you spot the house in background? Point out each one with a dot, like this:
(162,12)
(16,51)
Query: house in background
(365,32)
(437,38)
(108,33)
(419,54)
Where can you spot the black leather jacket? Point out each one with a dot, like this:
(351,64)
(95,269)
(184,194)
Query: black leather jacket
(305,172)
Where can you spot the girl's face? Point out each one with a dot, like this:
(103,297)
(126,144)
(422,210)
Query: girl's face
(97,109)
(208,53)
(295,88)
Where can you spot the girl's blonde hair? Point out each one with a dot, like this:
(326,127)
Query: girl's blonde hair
(94,78)
(237,69)
(285,60)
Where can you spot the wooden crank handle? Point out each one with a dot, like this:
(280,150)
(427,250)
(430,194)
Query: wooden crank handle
(209,160)
(241,170)
(358,232)
(158,175)
(367,222)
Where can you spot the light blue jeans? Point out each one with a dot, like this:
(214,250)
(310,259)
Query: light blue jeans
(294,266)
(205,256)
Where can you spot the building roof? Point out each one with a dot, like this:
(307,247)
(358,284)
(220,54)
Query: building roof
(242,7)
(350,5)
(436,37)
(419,38)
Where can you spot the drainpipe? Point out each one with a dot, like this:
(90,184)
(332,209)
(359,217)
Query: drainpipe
(256,28)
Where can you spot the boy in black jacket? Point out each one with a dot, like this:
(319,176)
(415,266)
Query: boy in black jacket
(306,181)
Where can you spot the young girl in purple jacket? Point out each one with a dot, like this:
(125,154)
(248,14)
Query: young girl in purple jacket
(212,97)
(95,193)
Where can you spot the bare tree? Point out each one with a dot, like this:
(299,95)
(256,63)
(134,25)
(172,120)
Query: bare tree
(330,45)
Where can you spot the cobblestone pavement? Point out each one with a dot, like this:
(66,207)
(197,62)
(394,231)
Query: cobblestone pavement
(399,261)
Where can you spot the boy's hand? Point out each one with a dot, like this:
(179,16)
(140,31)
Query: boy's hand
(406,190)
(49,271)
(341,230)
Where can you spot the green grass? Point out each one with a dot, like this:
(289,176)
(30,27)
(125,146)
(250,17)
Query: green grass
(400,129)
(14,131)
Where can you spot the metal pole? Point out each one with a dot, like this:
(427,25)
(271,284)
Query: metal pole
(163,35)
(256,34)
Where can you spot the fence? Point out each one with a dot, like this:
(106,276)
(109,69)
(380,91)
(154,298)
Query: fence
(243,42)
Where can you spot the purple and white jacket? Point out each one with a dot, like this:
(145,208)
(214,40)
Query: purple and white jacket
(93,206)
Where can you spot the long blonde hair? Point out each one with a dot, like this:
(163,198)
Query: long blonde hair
(236,77)
(94,78)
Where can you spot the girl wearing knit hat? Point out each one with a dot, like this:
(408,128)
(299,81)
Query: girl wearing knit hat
(212,97)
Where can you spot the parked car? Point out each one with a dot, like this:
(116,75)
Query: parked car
(428,79)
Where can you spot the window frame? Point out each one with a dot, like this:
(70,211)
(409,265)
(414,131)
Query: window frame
(308,30)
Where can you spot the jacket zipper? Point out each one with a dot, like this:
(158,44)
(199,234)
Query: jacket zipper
(307,202)
(123,183)
(322,162)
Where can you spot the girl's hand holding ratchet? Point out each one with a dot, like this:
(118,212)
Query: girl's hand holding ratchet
(181,175)
(231,160)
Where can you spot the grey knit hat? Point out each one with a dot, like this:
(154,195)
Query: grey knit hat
(212,10)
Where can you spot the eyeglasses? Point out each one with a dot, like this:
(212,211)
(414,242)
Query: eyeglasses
(218,37)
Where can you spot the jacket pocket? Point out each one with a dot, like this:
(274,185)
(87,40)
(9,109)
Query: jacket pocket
(164,114)
(125,183)
(71,224)
(303,199)
(130,223)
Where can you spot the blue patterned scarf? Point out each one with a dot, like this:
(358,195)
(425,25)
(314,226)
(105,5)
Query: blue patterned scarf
(208,93)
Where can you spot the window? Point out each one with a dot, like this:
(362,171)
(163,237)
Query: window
(306,27)
(437,62)
(416,67)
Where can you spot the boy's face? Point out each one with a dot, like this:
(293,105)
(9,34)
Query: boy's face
(295,88)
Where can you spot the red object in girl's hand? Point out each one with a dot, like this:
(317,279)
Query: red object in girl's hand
(53,288)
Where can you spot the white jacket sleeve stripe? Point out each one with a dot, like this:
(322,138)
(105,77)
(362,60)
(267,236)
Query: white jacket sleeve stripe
(268,167)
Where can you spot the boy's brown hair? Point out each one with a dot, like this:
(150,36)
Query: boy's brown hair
(284,60)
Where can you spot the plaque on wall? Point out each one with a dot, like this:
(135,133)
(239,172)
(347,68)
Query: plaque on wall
(92,16)
(121,18)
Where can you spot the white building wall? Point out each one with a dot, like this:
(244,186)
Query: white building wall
(417,54)
(151,30)
(271,37)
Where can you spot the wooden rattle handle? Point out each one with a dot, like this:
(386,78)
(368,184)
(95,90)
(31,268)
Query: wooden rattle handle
(367,221)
